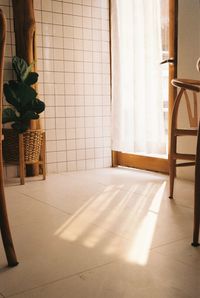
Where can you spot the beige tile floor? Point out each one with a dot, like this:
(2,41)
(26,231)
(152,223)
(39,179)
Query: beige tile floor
(110,233)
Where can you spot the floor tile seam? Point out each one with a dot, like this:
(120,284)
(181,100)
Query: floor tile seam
(128,239)
(184,206)
(175,259)
(45,203)
(71,213)
(143,195)
(186,264)
(168,243)
(98,192)
(61,279)
(167,199)
(112,232)
(104,184)
(95,193)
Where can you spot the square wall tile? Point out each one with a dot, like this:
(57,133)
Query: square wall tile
(57,6)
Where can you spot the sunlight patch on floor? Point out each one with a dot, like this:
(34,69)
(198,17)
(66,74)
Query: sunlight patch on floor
(115,211)
(79,223)
(141,245)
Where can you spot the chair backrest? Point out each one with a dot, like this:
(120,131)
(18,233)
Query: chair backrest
(192,108)
(189,90)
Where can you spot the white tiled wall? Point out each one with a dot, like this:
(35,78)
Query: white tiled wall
(74,67)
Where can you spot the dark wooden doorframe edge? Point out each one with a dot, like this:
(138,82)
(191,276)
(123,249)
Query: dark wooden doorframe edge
(173,52)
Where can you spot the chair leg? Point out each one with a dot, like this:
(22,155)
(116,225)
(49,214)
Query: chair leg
(196,208)
(172,175)
(197,196)
(196,222)
(172,164)
(43,156)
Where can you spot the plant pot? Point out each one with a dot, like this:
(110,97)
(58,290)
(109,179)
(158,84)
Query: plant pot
(10,146)
(31,142)
(27,148)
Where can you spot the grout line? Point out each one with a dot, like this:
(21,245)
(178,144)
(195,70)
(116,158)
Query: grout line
(45,203)
(63,278)
(184,206)
(168,243)
(175,258)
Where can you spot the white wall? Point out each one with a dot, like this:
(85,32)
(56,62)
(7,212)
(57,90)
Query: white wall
(188,38)
(188,53)
(74,81)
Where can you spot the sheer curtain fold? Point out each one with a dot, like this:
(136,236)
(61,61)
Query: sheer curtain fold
(138,124)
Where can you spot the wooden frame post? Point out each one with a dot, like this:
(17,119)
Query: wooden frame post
(25,27)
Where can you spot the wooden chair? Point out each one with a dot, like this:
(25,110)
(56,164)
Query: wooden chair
(4,224)
(186,88)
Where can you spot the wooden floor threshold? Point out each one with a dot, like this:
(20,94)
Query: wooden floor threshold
(149,163)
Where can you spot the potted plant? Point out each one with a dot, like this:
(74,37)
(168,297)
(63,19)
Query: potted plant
(22,97)
(25,107)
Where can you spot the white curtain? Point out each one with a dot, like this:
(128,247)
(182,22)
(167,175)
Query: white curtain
(138,124)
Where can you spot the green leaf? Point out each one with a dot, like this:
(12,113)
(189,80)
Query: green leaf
(20,127)
(20,66)
(29,115)
(22,96)
(31,78)
(25,94)
(28,70)
(8,115)
(10,95)
(38,106)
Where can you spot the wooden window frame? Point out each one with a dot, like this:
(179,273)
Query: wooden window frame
(147,162)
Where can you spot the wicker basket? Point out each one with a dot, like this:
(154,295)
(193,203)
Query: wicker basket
(32,141)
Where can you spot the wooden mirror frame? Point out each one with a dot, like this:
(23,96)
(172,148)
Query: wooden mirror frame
(4,223)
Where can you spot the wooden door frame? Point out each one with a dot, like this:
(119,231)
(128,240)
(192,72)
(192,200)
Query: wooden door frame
(147,162)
